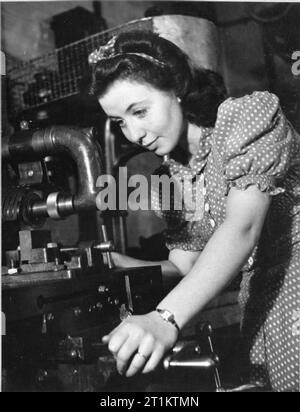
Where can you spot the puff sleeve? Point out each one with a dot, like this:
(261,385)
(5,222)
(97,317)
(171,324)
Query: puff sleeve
(258,142)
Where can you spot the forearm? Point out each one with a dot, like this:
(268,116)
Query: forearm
(216,266)
(168,268)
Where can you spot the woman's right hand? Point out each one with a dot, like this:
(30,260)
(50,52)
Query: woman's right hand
(140,342)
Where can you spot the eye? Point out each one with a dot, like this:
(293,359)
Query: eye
(140,113)
(119,122)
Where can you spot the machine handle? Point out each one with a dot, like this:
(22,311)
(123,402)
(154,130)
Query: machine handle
(108,253)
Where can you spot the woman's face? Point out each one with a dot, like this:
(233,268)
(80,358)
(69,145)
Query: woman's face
(147,116)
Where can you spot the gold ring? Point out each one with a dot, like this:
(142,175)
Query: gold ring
(143,356)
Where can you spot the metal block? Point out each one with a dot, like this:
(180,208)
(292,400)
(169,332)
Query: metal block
(32,239)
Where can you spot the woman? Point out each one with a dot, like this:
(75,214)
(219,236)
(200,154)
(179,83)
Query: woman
(247,156)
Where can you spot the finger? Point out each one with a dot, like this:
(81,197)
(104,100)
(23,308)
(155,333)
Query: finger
(106,338)
(117,339)
(141,357)
(129,348)
(154,360)
(137,364)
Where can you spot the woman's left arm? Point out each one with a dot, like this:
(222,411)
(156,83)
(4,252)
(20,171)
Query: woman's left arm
(140,342)
(224,255)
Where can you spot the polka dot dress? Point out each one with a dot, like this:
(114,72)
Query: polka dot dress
(252,144)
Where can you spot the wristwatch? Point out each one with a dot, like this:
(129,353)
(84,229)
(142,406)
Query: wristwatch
(167,317)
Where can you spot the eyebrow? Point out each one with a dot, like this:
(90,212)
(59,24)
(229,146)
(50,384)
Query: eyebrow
(133,104)
(128,108)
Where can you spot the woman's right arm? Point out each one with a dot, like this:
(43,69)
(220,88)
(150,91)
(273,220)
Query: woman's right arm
(179,263)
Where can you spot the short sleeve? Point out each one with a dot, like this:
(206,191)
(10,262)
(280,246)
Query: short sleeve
(257,144)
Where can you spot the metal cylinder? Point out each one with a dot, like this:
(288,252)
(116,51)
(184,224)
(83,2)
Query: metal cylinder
(198,38)
(201,362)
(80,145)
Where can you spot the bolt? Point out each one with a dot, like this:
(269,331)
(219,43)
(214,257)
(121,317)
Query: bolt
(73,353)
(99,305)
(77,312)
(30,173)
(198,349)
(103,289)
(42,375)
(12,271)
(52,245)
(24,125)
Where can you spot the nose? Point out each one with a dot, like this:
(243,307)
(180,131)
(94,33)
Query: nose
(136,133)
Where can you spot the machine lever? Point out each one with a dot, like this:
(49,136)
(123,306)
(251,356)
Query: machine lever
(108,253)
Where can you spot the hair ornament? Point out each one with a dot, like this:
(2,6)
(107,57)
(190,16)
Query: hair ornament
(108,51)
(104,52)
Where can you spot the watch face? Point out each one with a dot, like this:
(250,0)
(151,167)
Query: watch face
(167,315)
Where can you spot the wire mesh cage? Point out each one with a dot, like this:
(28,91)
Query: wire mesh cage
(57,75)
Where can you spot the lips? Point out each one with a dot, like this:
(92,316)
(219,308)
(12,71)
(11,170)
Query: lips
(150,144)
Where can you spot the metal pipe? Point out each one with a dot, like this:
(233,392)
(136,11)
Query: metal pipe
(202,362)
(118,222)
(80,145)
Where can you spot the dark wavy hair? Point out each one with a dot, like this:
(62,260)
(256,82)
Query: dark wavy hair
(201,90)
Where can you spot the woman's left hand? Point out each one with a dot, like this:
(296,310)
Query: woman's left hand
(140,342)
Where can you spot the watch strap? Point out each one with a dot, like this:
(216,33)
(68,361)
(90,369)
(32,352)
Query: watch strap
(167,316)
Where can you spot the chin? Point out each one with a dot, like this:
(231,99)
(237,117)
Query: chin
(161,152)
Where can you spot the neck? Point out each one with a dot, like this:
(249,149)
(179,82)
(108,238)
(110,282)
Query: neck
(181,152)
(194,136)
(188,144)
